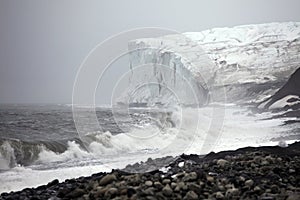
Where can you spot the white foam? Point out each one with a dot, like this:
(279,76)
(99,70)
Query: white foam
(19,178)
(240,128)
(73,152)
(7,158)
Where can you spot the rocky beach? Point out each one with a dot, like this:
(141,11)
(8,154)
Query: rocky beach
(156,100)
(270,172)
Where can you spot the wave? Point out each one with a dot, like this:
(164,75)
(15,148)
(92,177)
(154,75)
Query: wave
(14,152)
(106,151)
(195,132)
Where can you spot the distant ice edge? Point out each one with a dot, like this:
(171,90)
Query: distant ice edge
(249,62)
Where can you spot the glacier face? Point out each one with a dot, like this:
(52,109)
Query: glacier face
(240,64)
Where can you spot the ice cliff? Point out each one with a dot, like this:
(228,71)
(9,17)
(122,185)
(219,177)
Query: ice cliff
(246,62)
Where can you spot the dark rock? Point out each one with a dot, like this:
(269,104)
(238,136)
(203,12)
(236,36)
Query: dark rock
(230,193)
(148,183)
(190,195)
(52,183)
(111,192)
(75,193)
(149,191)
(173,185)
(293,196)
(181,186)
(249,183)
(194,187)
(63,192)
(109,178)
(166,181)
(222,162)
(274,189)
(210,179)
(130,192)
(42,187)
(190,177)
(292,87)
(158,185)
(219,195)
(167,190)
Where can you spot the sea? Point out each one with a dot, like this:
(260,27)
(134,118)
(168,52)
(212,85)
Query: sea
(39,143)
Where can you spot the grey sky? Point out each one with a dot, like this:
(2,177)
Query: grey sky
(42,43)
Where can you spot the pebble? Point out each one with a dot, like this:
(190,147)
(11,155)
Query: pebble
(265,162)
(232,193)
(182,186)
(190,195)
(293,196)
(249,183)
(111,192)
(291,171)
(241,178)
(274,189)
(149,191)
(166,181)
(75,193)
(167,190)
(173,185)
(194,187)
(222,162)
(52,183)
(257,189)
(148,183)
(210,179)
(221,187)
(158,185)
(190,177)
(257,159)
(101,191)
(219,195)
(107,179)
(270,159)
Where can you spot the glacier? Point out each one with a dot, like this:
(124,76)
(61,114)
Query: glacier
(242,64)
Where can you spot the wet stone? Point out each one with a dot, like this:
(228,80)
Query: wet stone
(167,190)
(107,179)
(190,195)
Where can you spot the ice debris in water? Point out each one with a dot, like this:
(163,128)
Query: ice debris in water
(165,169)
(282,143)
(181,164)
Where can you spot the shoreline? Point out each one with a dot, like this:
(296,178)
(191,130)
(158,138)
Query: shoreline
(268,172)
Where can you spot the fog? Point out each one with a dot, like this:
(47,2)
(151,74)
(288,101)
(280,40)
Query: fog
(43,43)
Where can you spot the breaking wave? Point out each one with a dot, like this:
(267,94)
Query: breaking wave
(190,135)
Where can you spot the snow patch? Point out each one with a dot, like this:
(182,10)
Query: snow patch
(284,102)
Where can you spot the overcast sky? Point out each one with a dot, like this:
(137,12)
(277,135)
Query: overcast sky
(43,42)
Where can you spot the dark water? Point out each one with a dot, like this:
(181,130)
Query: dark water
(36,122)
(24,128)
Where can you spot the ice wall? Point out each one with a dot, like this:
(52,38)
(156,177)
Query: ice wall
(161,73)
(248,62)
